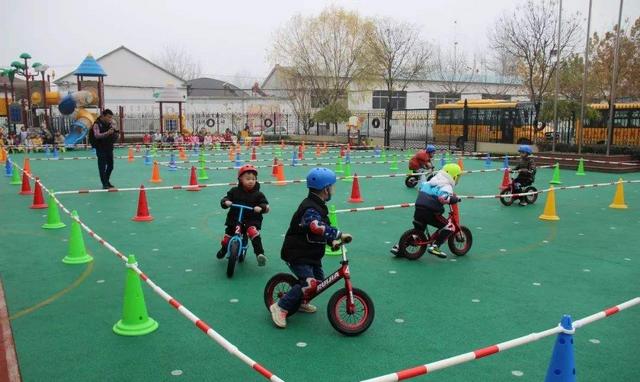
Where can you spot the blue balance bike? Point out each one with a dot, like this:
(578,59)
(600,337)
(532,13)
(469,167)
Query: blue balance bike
(237,246)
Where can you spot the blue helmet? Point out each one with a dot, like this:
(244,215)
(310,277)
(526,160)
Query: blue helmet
(320,178)
(430,149)
(525,149)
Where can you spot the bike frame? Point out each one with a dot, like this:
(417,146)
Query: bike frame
(238,235)
(454,218)
(341,273)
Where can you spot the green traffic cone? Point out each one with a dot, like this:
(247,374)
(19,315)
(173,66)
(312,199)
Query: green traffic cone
(339,169)
(333,220)
(77,253)
(201,155)
(202,172)
(53,215)
(556,175)
(581,168)
(383,157)
(347,173)
(135,319)
(394,163)
(15,177)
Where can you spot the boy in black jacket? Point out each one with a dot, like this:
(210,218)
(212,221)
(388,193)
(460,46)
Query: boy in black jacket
(304,244)
(247,193)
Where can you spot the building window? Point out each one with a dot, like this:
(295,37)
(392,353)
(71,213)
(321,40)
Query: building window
(503,97)
(436,98)
(380,98)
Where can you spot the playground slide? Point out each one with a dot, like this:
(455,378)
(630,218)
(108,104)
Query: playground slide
(80,127)
(76,135)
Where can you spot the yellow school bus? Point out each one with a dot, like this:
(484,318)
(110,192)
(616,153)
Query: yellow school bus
(488,120)
(626,125)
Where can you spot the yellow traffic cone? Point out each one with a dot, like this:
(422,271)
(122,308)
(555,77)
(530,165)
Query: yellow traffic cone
(618,198)
(549,212)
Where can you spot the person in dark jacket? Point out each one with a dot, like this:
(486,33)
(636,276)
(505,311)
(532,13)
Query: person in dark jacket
(526,170)
(104,134)
(304,244)
(247,193)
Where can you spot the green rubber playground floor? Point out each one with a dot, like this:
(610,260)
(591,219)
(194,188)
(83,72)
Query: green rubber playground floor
(521,275)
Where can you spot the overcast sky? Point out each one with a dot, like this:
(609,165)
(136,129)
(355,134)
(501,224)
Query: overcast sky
(232,38)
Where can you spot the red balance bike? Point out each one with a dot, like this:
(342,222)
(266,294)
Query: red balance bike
(350,309)
(414,242)
(507,198)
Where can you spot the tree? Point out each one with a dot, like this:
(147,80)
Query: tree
(398,57)
(452,68)
(504,67)
(530,35)
(299,96)
(333,113)
(327,51)
(628,75)
(176,60)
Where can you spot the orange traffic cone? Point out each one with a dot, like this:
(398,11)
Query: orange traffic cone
(26,165)
(3,155)
(355,191)
(155,173)
(506,180)
(38,200)
(181,153)
(280,180)
(26,186)
(317,151)
(130,158)
(341,151)
(300,153)
(274,169)
(253,154)
(324,148)
(193,181)
(143,209)
(461,164)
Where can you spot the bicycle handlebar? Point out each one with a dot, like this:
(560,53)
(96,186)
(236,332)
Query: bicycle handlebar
(241,206)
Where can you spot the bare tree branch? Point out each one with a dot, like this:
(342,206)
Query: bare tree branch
(178,61)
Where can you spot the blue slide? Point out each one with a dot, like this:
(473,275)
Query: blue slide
(76,135)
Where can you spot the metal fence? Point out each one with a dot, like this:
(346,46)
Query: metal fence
(409,128)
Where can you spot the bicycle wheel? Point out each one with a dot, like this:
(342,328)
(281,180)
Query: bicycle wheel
(506,200)
(412,244)
(234,251)
(533,197)
(277,287)
(411,181)
(460,242)
(350,324)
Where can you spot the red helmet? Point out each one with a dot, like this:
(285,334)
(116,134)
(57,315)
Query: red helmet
(247,168)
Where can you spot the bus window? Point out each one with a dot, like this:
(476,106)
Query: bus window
(457,117)
(634,118)
(621,118)
(444,117)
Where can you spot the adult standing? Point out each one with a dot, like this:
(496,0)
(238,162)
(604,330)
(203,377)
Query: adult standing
(104,135)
